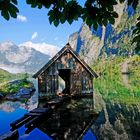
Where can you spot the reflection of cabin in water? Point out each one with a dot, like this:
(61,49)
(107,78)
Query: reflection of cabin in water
(66,65)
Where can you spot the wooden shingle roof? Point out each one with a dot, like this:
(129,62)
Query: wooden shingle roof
(59,54)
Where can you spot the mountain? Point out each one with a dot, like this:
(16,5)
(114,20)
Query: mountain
(25,57)
(44,48)
(3,74)
(7,76)
(86,44)
(113,39)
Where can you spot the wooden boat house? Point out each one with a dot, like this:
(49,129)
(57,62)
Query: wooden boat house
(65,66)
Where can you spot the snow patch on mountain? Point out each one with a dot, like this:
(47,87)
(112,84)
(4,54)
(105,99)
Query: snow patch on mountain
(42,47)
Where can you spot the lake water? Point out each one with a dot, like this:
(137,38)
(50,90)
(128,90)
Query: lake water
(116,120)
(10,111)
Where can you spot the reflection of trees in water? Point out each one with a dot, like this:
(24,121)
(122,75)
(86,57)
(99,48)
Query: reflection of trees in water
(118,122)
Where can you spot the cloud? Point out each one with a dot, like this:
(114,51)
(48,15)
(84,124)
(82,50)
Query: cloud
(34,35)
(44,48)
(21,18)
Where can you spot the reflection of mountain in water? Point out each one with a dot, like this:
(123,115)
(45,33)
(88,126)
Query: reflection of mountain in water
(118,122)
(9,106)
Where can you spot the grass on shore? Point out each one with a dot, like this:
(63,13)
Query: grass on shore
(111,84)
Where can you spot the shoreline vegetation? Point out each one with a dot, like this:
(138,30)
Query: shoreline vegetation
(114,85)
(16,87)
(6,76)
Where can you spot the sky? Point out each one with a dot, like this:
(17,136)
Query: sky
(32,24)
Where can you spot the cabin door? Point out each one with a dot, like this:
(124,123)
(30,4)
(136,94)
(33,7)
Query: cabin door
(65,74)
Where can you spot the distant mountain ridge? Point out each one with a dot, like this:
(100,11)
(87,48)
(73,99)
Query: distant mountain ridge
(7,76)
(113,39)
(23,58)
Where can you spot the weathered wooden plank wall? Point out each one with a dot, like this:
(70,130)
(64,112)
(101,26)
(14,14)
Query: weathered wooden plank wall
(80,78)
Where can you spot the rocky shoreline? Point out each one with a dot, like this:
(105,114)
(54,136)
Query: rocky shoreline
(24,92)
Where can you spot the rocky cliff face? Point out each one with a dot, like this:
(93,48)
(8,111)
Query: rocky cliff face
(112,39)
(86,44)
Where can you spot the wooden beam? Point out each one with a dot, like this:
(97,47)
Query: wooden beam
(33,114)
(40,110)
(22,122)
(17,121)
